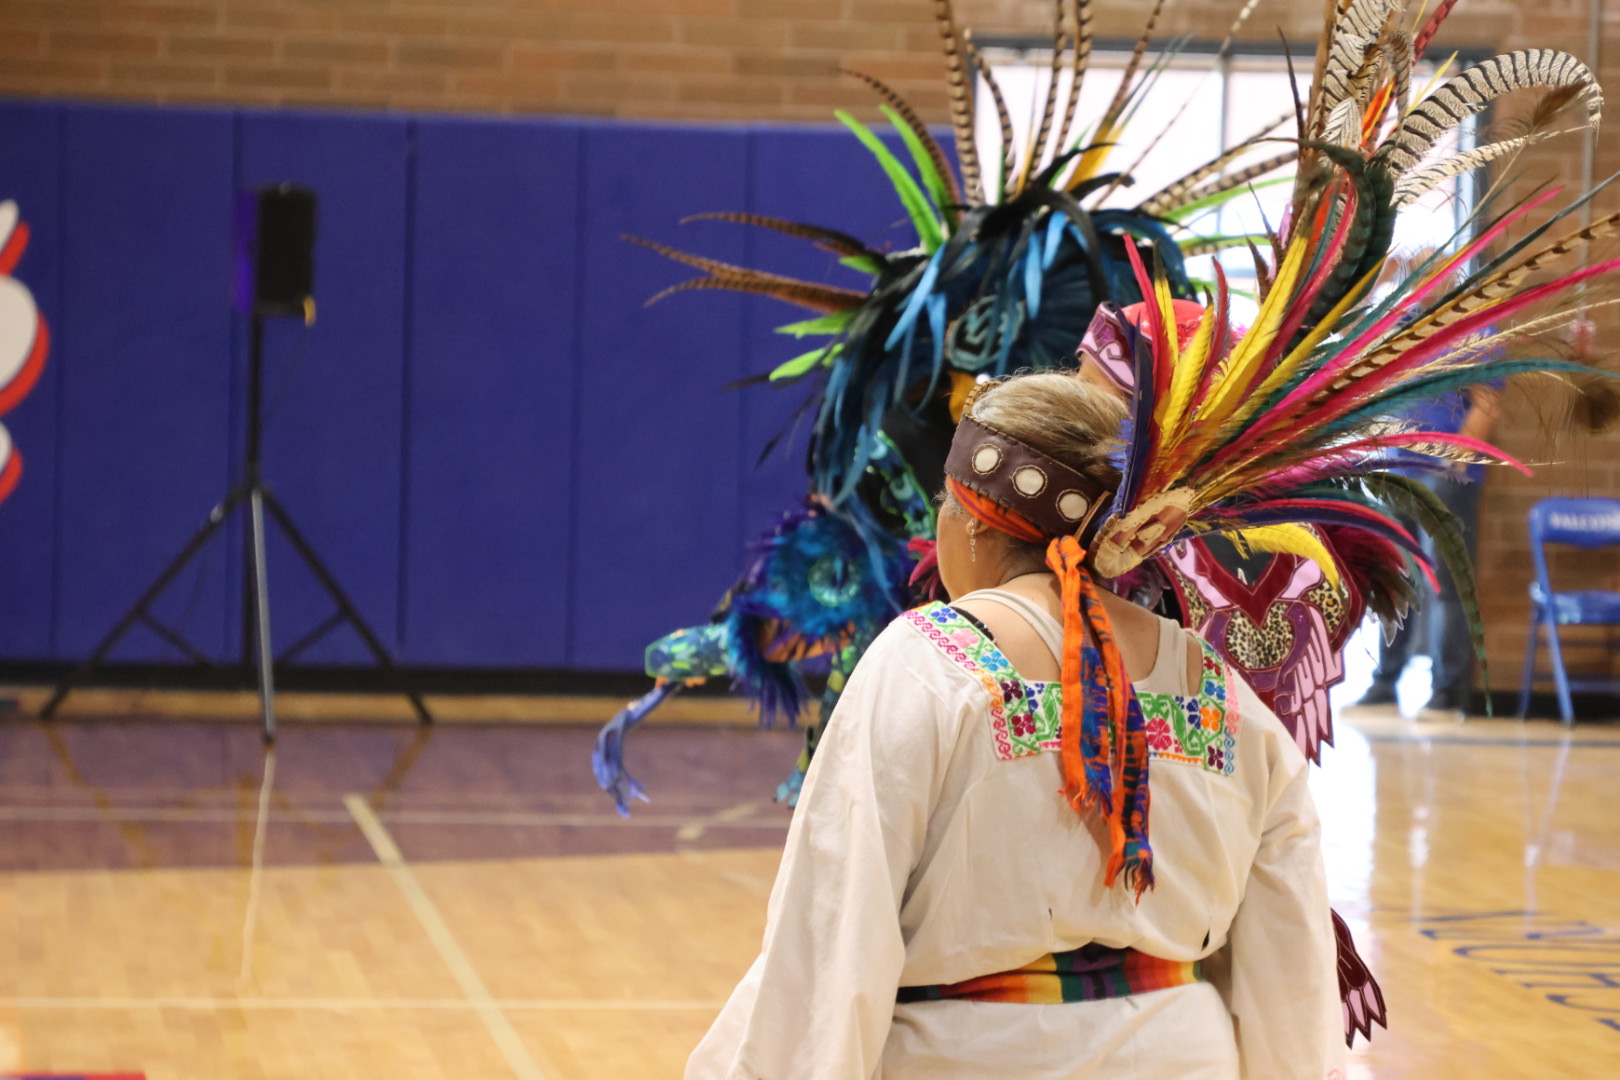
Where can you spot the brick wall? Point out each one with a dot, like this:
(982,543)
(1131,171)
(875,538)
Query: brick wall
(729,59)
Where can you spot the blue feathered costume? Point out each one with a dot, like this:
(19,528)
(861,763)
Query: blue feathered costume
(1006,276)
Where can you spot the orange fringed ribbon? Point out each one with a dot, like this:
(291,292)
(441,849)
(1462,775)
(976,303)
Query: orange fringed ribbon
(1104,758)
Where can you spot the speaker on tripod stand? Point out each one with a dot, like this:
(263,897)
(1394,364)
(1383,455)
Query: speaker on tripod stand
(275,247)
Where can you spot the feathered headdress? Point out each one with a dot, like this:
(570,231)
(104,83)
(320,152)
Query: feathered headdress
(1295,423)
(1013,256)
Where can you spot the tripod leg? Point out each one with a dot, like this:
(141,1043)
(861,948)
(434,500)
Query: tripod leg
(335,591)
(261,618)
(153,591)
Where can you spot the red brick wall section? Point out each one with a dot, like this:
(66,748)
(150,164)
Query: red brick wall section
(743,59)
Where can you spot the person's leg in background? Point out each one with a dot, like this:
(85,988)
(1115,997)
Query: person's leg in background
(1450,645)
(1393,653)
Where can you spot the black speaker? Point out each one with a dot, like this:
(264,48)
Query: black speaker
(276,251)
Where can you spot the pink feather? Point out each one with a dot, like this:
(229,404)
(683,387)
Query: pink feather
(1440,343)
(1350,353)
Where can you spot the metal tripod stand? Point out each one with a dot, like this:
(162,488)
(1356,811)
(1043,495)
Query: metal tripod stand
(256,651)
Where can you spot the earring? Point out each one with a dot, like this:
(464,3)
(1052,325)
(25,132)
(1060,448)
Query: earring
(973,545)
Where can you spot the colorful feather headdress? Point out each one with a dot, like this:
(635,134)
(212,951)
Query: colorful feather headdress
(1012,258)
(1268,434)
(1295,424)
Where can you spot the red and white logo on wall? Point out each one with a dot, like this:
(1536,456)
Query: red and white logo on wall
(24,339)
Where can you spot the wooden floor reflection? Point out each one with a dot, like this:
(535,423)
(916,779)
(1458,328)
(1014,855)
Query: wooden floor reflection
(462,903)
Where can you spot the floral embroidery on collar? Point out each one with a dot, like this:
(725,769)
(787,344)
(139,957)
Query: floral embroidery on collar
(1026,716)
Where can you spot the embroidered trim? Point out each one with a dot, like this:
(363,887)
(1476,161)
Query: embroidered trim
(1026,716)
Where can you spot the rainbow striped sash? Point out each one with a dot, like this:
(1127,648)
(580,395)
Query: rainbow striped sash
(1090,973)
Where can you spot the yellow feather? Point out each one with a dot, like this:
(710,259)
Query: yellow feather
(1234,381)
(1290,363)
(1167,312)
(1418,16)
(1092,160)
(1163,418)
(1185,375)
(1298,540)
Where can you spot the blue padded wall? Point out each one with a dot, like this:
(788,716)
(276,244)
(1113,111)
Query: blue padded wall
(491,457)
(659,444)
(803,174)
(335,400)
(506,458)
(145,363)
(30,174)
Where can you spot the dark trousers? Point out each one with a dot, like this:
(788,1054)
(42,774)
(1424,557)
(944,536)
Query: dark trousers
(1439,629)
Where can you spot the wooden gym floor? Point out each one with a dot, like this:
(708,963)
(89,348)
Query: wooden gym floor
(461,902)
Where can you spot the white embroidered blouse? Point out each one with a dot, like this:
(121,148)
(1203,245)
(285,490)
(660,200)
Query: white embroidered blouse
(931,845)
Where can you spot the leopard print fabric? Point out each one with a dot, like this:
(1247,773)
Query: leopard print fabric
(1329,599)
(1260,647)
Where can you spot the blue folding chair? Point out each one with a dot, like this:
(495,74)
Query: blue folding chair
(1582,523)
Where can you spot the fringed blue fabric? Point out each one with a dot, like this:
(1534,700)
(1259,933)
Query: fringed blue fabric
(607,759)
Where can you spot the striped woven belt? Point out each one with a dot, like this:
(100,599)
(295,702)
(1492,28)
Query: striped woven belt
(1090,973)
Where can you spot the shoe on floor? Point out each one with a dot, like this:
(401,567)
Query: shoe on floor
(1379,694)
(1443,705)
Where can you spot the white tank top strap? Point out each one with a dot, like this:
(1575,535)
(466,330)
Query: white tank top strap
(1169,674)
(1039,619)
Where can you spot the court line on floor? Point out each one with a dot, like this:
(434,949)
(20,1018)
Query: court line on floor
(1490,740)
(205,1003)
(541,819)
(495,1021)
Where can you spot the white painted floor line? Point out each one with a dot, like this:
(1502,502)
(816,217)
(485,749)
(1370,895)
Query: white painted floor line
(731,816)
(343,1004)
(500,1028)
(295,816)
(261,830)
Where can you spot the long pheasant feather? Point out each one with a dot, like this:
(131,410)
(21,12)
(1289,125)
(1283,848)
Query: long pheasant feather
(1179,205)
(1502,283)
(723,275)
(827,239)
(1037,146)
(952,195)
(959,85)
(1077,70)
(1439,345)
(1092,160)
(1003,117)
(1350,360)
(1419,182)
(1472,89)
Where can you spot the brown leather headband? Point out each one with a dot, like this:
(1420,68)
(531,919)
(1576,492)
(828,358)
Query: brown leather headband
(1050,495)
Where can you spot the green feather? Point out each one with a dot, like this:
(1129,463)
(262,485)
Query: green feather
(1210,202)
(866,264)
(911,196)
(938,189)
(825,324)
(805,363)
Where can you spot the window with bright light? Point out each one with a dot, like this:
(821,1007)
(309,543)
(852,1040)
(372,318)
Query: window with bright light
(1197,108)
